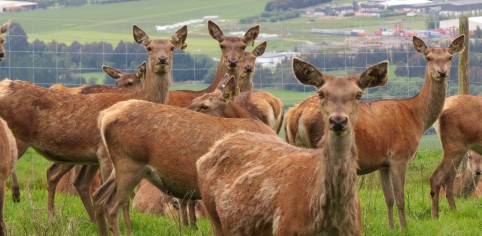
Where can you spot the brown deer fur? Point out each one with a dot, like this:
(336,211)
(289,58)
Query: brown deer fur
(8,159)
(3,30)
(387,131)
(123,80)
(248,67)
(468,182)
(62,127)
(459,132)
(232,49)
(165,155)
(217,103)
(250,183)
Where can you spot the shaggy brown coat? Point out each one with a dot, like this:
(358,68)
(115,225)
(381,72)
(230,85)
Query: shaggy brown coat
(250,183)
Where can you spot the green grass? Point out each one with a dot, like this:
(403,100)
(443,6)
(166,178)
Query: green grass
(30,218)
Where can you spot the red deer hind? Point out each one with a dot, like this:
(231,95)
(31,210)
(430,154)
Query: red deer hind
(63,127)
(123,80)
(459,132)
(8,159)
(165,155)
(249,181)
(391,148)
(468,183)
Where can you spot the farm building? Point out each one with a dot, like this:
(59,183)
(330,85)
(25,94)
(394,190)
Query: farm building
(11,6)
(473,23)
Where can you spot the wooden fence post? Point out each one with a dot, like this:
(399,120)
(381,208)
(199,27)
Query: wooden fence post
(463,66)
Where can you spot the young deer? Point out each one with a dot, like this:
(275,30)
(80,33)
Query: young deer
(458,133)
(63,127)
(232,49)
(165,155)
(8,159)
(262,105)
(378,148)
(468,182)
(123,80)
(249,182)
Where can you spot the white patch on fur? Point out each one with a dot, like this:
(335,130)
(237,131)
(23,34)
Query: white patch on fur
(303,140)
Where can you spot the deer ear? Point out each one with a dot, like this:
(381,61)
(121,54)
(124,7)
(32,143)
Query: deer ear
(141,70)
(419,45)
(140,36)
(114,73)
(307,73)
(457,45)
(227,86)
(5,26)
(373,76)
(215,31)
(259,50)
(251,35)
(179,38)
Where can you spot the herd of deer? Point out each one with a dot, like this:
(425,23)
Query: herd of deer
(230,157)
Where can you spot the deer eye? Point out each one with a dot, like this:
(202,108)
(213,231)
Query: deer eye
(221,46)
(321,95)
(172,48)
(450,58)
(204,107)
(243,47)
(428,58)
(148,49)
(358,95)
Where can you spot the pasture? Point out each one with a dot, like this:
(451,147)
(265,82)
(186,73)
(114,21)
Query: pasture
(113,23)
(29,217)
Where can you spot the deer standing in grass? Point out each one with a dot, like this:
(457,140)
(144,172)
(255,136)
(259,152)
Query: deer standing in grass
(125,82)
(8,159)
(459,132)
(122,80)
(468,182)
(149,198)
(387,131)
(63,127)
(250,183)
(165,155)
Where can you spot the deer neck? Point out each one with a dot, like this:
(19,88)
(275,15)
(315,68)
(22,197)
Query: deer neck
(246,82)
(339,182)
(156,86)
(428,104)
(220,72)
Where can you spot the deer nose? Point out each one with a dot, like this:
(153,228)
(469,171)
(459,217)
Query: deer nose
(442,73)
(162,60)
(248,68)
(478,171)
(2,54)
(338,123)
(233,62)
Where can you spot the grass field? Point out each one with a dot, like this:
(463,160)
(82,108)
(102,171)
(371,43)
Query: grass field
(30,218)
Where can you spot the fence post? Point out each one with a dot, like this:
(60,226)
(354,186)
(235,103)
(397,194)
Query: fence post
(463,65)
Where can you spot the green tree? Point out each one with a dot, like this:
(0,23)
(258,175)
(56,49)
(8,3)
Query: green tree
(478,32)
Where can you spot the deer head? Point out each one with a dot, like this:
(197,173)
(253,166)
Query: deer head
(249,58)
(439,59)
(340,95)
(218,103)
(475,163)
(3,30)
(232,47)
(124,79)
(160,52)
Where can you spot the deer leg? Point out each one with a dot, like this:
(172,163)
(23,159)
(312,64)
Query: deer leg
(82,182)
(449,185)
(183,211)
(388,193)
(21,149)
(192,214)
(101,197)
(2,203)
(105,163)
(54,174)
(131,175)
(445,168)
(397,176)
